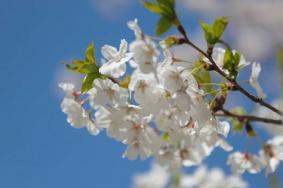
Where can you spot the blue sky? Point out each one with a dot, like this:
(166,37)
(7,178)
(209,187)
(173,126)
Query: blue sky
(38,147)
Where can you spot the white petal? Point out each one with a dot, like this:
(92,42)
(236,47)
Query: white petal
(108,52)
(123,47)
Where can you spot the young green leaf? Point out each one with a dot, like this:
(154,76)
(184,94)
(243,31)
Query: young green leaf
(231,62)
(219,26)
(203,77)
(163,25)
(166,137)
(88,81)
(152,7)
(208,32)
(171,41)
(166,9)
(89,54)
(238,126)
(214,33)
(87,67)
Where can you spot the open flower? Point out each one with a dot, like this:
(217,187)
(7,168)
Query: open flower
(240,162)
(115,65)
(76,115)
(105,92)
(144,50)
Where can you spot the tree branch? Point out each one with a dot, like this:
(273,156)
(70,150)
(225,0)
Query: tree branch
(232,81)
(249,118)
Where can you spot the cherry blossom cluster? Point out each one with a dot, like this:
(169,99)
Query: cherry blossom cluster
(161,112)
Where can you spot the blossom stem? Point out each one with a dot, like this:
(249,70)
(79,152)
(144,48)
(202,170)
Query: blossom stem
(212,92)
(211,84)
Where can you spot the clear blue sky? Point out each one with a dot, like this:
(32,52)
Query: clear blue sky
(38,148)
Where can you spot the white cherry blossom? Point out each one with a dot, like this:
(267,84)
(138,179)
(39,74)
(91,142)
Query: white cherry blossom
(170,78)
(105,92)
(77,116)
(144,50)
(115,65)
(241,162)
(146,89)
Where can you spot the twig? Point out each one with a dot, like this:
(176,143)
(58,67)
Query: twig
(232,81)
(249,118)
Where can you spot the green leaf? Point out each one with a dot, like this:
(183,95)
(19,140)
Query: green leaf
(202,76)
(213,33)
(239,110)
(166,137)
(163,25)
(168,8)
(231,62)
(89,54)
(219,26)
(208,32)
(88,81)
(87,67)
(237,126)
(82,67)
(153,7)
(171,41)
(78,63)
(165,8)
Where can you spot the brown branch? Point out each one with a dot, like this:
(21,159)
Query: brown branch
(248,118)
(218,70)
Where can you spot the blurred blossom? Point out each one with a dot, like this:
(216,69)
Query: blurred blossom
(252,22)
(214,178)
(158,177)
